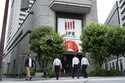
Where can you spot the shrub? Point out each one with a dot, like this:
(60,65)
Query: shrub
(103,72)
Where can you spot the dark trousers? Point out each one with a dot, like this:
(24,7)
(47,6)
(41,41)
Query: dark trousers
(57,69)
(84,73)
(75,71)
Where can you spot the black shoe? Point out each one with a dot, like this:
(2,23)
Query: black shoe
(30,78)
(26,78)
(85,77)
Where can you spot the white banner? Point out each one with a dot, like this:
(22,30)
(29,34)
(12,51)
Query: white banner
(70,30)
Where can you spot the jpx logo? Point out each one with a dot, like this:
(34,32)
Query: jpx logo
(69,24)
(70,27)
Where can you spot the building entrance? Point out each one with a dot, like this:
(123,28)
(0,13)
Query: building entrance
(67,63)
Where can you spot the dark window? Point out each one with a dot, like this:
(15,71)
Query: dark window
(12,3)
(21,19)
(20,23)
(123,11)
(122,5)
(123,18)
(16,39)
(22,14)
(120,1)
(73,33)
(69,33)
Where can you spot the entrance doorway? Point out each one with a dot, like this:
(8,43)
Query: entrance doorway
(67,62)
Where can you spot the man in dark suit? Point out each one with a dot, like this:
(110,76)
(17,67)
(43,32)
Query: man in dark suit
(28,65)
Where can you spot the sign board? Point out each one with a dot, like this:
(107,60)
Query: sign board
(70,30)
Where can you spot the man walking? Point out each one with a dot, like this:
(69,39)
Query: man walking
(28,65)
(84,65)
(75,66)
(57,65)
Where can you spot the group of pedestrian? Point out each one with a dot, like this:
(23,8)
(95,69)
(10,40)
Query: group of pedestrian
(57,66)
(76,66)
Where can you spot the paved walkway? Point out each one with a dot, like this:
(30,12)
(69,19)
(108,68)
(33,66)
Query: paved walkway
(69,80)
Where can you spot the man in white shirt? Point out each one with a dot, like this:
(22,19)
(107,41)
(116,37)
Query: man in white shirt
(28,65)
(84,65)
(57,65)
(75,66)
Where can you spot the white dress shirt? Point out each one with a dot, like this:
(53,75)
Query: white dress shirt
(84,61)
(57,62)
(30,62)
(75,61)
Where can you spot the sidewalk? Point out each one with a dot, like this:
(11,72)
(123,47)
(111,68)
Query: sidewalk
(65,78)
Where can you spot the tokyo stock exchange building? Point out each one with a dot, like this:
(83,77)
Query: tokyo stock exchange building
(67,17)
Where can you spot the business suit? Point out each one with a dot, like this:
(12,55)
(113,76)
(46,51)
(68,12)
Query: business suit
(28,64)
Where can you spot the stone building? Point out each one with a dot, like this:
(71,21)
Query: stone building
(26,14)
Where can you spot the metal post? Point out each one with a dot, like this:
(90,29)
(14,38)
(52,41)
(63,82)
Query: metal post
(3,35)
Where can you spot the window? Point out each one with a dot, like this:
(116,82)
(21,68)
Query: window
(12,3)
(73,33)
(120,1)
(21,19)
(122,5)
(123,11)
(22,14)
(123,18)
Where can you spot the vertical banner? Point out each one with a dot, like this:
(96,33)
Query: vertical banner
(70,30)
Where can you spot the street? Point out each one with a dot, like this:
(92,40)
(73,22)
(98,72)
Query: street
(69,80)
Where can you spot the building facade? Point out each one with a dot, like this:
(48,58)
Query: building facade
(26,14)
(116,18)
(122,11)
(117,14)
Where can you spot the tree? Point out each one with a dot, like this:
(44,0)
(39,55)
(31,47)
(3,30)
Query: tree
(117,42)
(97,39)
(94,40)
(46,43)
(102,42)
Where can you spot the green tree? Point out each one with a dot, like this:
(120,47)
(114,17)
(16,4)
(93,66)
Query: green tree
(103,41)
(94,40)
(117,42)
(46,43)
